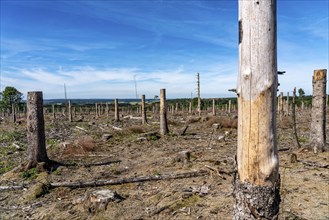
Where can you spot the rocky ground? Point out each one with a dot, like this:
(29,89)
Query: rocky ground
(99,149)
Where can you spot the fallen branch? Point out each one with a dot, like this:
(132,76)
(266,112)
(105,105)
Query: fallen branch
(95,183)
(313,164)
(117,128)
(215,170)
(192,137)
(182,133)
(9,188)
(90,164)
(284,149)
(82,129)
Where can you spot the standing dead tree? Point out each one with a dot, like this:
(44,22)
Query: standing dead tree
(256,186)
(144,118)
(199,95)
(163,113)
(13,113)
(116,110)
(70,111)
(294,118)
(213,107)
(318,123)
(35,130)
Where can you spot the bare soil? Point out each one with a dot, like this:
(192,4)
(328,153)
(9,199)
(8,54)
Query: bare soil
(304,188)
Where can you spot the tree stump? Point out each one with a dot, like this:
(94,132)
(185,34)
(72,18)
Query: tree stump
(116,110)
(163,113)
(318,123)
(144,118)
(35,130)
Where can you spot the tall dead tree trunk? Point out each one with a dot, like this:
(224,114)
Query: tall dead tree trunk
(294,117)
(53,111)
(107,109)
(70,111)
(144,118)
(96,110)
(229,106)
(13,113)
(163,113)
(281,112)
(35,130)
(213,107)
(318,123)
(116,110)
(256,187)
(287,105)
(199,94)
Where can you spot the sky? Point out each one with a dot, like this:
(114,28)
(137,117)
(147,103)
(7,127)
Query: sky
(99,49)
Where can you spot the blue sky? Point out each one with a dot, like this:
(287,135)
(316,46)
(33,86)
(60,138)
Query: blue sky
(97,47)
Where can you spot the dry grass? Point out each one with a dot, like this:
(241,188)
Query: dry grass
(225,122)
(193,120)
(136,129)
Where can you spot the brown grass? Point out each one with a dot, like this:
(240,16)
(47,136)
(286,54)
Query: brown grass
(225,122)
(136,129)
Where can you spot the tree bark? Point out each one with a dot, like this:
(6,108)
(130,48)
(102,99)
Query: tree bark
(70,111)
(213,107)
(116,110)
(318,123)
(281,112)
(229,106)
(199,94)
(53,111)
(35,129)
(163,113)
(144,118)
(256,189)
(294,118)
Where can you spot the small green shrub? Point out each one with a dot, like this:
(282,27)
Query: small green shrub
(29,174)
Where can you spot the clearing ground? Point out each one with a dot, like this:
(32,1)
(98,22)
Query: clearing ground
(89,145)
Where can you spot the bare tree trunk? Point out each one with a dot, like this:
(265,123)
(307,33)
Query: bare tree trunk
(190,108)
(199,95)
(163,113)
(13,112)
(281,106)
(70,111)
(287,105)
(144,118)
(213,107)
(229,106)
(318,124)
(35,129)
(294,118)
(96,111)
(53,111)
(116,110)
(107,109)
(256,187)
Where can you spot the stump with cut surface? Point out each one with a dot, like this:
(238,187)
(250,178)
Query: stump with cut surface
(318,124)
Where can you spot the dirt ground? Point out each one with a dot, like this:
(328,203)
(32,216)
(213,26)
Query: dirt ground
(304,187)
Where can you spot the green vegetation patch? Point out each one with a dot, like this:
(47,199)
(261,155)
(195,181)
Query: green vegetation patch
(11,136)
